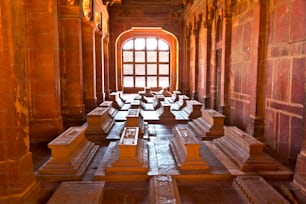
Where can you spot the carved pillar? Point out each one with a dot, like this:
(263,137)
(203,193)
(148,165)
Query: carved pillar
(43,60)
(18,183)
(73,109)
(89,65)
(255,124)
(99,67)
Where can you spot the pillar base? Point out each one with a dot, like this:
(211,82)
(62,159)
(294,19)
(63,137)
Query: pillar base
(29,195)
(206,103)
(195,95)
(44,130)
(107,94)
(73,115)
(90,104)
(256,127)
(225,110)
(19,184)
(100,98)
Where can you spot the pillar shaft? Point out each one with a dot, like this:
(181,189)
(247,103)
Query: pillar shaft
(70,55)
(18,183)
(99,67)
(43,61)
(89,65)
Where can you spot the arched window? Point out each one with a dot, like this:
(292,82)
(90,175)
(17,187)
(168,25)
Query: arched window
(145,63)
(146,57)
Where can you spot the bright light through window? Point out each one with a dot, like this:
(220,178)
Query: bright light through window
(146,63)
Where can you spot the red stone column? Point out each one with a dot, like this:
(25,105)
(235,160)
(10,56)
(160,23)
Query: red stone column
(89,65)
(70,55)
(192,64)
(42,38)
(208,30)
(212,65)
(255,124)
(17,181)
(224,105)
(195,92)
(99,67)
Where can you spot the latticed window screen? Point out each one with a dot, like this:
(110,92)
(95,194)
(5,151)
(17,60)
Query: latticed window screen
(146,63)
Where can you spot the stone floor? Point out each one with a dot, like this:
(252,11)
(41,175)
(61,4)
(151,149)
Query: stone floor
(214,186)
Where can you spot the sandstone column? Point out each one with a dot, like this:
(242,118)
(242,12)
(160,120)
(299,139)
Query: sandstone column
(224,106)
(89,65)
(18,183)
(43,61)
(70,55)
(255,125)
(99,67)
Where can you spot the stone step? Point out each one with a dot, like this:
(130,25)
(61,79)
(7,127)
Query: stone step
(163,189)
(81,192)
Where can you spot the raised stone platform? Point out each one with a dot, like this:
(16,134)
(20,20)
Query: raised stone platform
(126,159)
(163,189)
(245,150)
(243,154)
(135,119)
(164,113)
(186,150)
(118,103)
(174,97)
(99,121)
(190,111)
(180,103)
(209,126)
(71,153)
(254,189)
(81,192)
(112,111)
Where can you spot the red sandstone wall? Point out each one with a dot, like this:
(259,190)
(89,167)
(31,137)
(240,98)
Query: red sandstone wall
(284,76)
(142,14)
(240,67)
